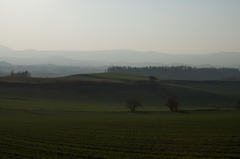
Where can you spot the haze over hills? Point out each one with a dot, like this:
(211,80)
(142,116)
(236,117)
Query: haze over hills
(5,50)
(117,57)
(56,60)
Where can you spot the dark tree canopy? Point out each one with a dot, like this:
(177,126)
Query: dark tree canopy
(172,104)
(179,72)
(20,74)
(152,78)
(133,104)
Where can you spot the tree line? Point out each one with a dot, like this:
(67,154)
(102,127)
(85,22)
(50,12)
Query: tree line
(178,72)
(20,74)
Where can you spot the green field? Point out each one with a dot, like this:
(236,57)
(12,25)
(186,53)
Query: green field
(63,134)
(115,88)
(84,116)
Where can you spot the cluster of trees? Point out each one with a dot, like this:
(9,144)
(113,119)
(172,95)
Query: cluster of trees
(50,70)
(178,72)
(20,74)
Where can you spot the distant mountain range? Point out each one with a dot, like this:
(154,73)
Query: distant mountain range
(118,57)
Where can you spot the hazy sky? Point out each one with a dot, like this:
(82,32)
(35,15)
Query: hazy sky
(168,26)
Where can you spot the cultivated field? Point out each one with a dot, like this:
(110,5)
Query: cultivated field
(62,134)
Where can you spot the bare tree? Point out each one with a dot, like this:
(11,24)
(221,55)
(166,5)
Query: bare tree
(133,104)
(172,104)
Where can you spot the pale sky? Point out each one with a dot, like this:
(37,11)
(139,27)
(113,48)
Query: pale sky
(167,26)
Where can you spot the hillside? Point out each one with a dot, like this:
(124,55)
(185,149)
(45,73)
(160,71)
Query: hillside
(4,49)
(113,89)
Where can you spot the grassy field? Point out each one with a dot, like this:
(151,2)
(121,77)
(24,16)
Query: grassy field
(63,134)
(84,116)
(117,77)
(116,88)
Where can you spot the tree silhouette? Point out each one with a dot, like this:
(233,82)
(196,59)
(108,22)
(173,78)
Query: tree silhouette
(133,104)
(172,104)
(152,78)
(20,74)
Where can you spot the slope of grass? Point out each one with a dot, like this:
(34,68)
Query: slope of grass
(115,88)
(111,76)
(20,104)
(27,79)
(117,77)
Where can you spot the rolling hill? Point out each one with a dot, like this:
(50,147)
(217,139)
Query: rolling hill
(113,89)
